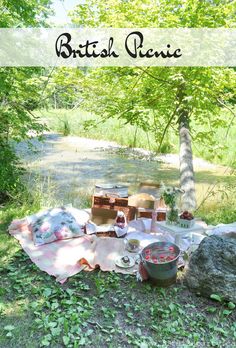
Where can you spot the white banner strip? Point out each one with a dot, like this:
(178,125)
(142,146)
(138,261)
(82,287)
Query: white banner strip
(117,47)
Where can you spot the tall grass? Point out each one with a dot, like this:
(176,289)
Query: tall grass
(84,124)
(221,207)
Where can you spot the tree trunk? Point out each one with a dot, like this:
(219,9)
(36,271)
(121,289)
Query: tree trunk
(186,162)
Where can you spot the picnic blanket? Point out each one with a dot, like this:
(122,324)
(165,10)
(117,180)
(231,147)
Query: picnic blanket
(64,258)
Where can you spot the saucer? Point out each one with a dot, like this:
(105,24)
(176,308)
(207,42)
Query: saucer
(122,264)
(136,250)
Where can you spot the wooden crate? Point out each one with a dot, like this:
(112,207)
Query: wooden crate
(100,201)
(116,204)
(147,213)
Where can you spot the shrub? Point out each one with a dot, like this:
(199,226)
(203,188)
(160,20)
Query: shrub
(10,173)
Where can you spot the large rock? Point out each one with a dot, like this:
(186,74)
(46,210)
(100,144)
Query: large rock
(212,267)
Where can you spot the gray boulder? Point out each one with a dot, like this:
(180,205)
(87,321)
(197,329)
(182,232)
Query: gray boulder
(212,267)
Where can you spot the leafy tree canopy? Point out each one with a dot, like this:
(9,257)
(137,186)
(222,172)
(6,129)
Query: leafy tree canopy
(150,97)
(24,13)
(155,13)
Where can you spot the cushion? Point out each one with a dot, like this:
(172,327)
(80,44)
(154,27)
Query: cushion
(57,224)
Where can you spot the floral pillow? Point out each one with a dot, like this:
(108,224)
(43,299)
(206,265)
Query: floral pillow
(57,224)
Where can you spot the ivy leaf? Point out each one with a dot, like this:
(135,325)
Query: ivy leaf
(66,340)
(216,297)
(231,305)
(47,292)
(143,345)
(45,342)
(9,327)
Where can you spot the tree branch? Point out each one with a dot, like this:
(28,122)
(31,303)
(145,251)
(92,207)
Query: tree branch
(154,77)
(232,119)
(136,82)
(166,127)
(171,118)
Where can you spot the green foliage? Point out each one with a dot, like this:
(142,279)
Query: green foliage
(48,314)
(148,13)
(10,173)
(64,90)
(66,130)
(231,305)
(18,95)
(85,124)
(152,98)
(153,103)
(218,213)
(216,297)
(219,206)
(24,13)
(19,92)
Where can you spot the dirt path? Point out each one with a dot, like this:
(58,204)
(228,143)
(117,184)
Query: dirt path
(74,165)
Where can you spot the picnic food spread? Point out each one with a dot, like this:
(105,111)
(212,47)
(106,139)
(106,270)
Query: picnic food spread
(48,237)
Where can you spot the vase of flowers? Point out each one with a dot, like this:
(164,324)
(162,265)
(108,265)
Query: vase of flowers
(170,196)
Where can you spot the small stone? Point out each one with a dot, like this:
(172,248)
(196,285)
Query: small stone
(212,268)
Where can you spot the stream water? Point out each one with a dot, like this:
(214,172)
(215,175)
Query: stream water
(70,166)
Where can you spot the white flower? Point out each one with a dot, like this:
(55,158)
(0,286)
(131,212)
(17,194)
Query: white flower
(169,189)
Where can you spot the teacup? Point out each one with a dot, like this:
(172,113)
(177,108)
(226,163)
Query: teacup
(132,245)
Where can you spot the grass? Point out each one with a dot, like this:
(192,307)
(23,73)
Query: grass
(82,123)
(105,310)
(98,309)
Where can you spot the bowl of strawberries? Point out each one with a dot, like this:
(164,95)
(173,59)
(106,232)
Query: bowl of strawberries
(160,260)
(186,220)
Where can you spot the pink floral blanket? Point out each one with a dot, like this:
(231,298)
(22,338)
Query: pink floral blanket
(64,258)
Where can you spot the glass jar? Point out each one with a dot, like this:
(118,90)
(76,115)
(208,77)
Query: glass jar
(172,215)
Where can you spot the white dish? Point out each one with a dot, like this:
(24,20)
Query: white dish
(122,264)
